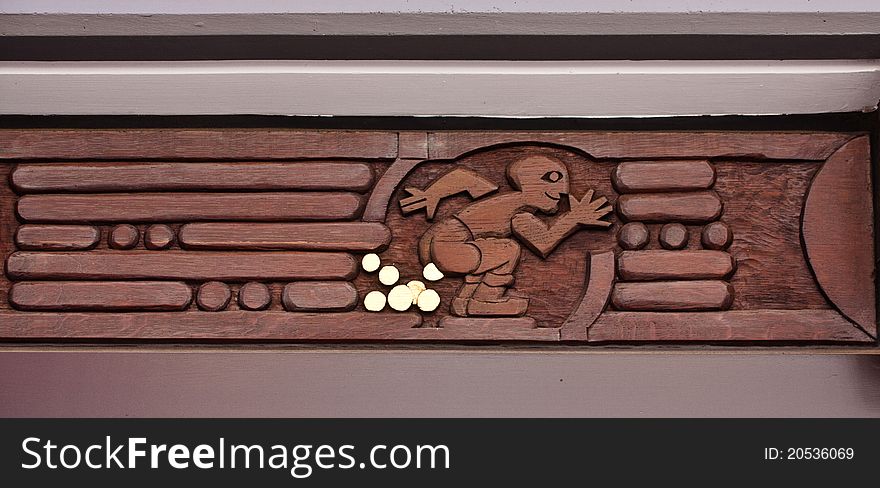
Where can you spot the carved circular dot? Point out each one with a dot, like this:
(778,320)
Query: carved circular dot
(673,236)
(633,235)
(254,296)
(123,236)
(213,296)
(717,235)
(158,236)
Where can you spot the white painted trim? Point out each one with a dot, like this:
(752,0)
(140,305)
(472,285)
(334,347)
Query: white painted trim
(436,88)
(425,24)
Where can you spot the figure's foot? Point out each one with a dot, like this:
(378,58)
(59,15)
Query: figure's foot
(459,306)
(506,307)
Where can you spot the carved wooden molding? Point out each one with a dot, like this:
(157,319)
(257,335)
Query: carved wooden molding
(575,237)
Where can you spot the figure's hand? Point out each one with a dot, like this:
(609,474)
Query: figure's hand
(589,212)
(419,199)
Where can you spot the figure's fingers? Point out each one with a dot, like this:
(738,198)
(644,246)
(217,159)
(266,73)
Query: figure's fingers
(430,208)
(598,202)
(604,210)
(602,223)
(411,200)
(412,206)
(587,196)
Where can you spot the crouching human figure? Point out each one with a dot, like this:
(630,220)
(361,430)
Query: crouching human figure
(483,241)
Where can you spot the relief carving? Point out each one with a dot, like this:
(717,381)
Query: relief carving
(581,237)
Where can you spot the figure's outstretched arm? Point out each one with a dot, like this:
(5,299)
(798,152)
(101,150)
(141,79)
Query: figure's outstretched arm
(456,181)
(543,239)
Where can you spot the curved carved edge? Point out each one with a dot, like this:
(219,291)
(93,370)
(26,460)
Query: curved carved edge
(597,292)
(838,233)
(377,206)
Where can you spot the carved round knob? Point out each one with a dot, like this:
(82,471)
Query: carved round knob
(717,235)
(254,296)
(673,236)
(124,236)
(213,296)
(158,236)
(633,235)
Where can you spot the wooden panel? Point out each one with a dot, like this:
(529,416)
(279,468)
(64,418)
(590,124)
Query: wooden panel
(769,325)
(342,236)
(253,144)
(170,207)
(534,237)
(134,177)
(101,296)
(170,265)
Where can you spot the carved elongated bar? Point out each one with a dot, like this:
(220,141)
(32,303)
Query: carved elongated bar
(101,296)
(319,295)
(56,237)
(140,177)
(171,265)
(693,207)
(170,207)
(662,176)
(326,236)
(674,265)
(672,295)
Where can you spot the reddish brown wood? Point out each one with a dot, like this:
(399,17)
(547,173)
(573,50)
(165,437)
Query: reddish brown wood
(597,292)
(325,236)
(674,265)
(468,324)
(672,296)
(124,236)
(716,235)
(254,144)
(694,207)
(230,325)
(643,145)
(170,207)
(180,176)
(663,176)
(56,237)
(633,235)
(376,208)
(101,296)
(319,295)
(97,265)
(838,233)
(733,325)
(213,296)
(413,145)
(673,236)
(158,236)
(254,296)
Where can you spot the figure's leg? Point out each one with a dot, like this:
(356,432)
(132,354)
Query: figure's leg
(453,256)
(500,258)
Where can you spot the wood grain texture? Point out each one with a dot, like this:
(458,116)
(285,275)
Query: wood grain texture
(732,325)
(8,226)
(376,208)
(643,145)
(325,236)
(471,324)
(319,296)
(692,207)
(96,265)
(672,296)
(412,145)
(213,296)
(183,176)
(169,207)
(674,265)
(56,237)
(838,232)
(230,325)
(597,292)
(100,296)
(253,144)
(662,176)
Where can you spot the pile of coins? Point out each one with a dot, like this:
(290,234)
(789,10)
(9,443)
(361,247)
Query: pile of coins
(401,297)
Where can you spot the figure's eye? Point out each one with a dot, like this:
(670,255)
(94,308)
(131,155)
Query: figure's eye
(552,176)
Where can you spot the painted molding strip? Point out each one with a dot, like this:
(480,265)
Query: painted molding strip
(440,88)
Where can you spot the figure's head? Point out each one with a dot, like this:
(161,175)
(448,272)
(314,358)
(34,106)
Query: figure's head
(541,179)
